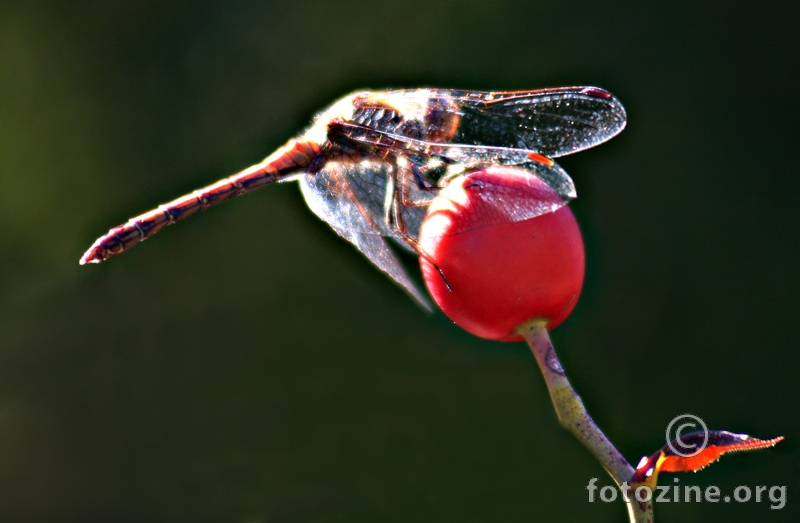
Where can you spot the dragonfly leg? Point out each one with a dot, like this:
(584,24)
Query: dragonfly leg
(415,189)
(422,254)
(393,216)
(396,185)
(390,213)
(421,183)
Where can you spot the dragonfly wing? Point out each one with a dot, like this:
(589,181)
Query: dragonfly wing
(461,156)
(509,202)
(552,122)
(370,183)
(475,156)
(349,197)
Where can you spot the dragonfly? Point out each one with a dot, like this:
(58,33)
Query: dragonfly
(371,163)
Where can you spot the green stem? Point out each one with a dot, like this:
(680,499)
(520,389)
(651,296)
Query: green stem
(573,416)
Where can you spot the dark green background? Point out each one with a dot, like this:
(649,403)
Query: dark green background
(249,366)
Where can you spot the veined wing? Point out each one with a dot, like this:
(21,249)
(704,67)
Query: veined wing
(552,122)
(458,157)
(360,190)
(349,196)
(508,202)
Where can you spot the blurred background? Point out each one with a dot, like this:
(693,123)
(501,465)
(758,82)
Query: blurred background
(247,365)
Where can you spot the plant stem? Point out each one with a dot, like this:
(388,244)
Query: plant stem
(573,416)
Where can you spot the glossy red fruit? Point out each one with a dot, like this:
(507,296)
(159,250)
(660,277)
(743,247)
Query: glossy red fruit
(505,275)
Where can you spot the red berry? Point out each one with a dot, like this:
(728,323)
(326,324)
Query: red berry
(502,274)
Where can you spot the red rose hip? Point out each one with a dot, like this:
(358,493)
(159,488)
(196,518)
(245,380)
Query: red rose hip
(502,274)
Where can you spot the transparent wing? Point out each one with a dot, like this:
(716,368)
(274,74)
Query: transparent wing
(508,202)
(552,122)
(458,157)
(362,188)
(349,197)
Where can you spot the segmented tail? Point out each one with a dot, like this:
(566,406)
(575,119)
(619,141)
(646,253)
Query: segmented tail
(293,157)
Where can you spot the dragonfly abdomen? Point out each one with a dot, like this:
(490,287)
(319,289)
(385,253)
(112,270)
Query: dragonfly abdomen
(290,159)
